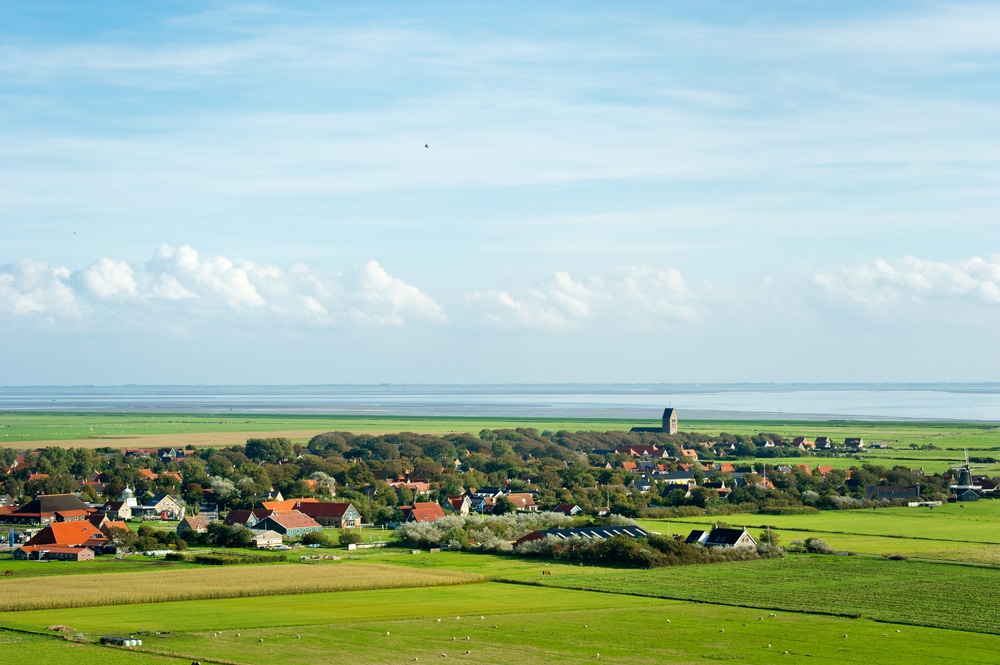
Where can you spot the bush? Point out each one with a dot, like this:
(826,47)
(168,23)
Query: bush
(349,537)
(315,538)
(817,546)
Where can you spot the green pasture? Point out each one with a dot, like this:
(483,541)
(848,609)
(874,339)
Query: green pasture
(503,623)
(19,429)
(964,532)
(31,649)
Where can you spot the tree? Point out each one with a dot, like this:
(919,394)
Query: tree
(349,537)
(123,540)
(273,449)
(503,506)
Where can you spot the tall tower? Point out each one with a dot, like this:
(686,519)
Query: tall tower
(669,421)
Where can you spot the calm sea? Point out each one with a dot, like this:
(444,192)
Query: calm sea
(965,402)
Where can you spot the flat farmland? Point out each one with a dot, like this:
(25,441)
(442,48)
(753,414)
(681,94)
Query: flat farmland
(502,623)
(96,430)
(131,588)
(974,522)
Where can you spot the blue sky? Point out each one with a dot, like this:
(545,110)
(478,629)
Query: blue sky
(651,192)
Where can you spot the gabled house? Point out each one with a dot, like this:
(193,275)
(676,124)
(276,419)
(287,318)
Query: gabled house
(726,537)
(43,509)
(824,442)
(340,515)
(523,502)
(570,509)
(422,512)
(855,442)
(289,523)
(266,539)
(164,506)
(458,503)
(194,523)
(247,518)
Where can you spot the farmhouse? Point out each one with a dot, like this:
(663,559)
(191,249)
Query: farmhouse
(164,506)
(49,508)
(422,512)
(289,523)
(52,553)
(195,523)
(265,539)
(247,518)
(458,503)
(523,502)
(724,537)
(340,515)
(589,532)
(570,509)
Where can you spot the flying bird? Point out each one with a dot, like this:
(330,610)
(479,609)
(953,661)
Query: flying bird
(427,145)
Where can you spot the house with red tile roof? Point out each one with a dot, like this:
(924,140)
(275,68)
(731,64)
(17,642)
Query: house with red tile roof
(523,502)
(422,512)
(70,534)
(289,523)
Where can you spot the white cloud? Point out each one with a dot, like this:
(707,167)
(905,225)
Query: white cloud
(910,279)
(179,283)
(637,294)
(33,288)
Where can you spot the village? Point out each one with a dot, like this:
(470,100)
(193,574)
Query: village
(663,469)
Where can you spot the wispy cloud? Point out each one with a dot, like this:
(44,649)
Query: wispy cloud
(913,280)
(631,295)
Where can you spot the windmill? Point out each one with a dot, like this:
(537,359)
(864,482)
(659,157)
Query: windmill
(962,475)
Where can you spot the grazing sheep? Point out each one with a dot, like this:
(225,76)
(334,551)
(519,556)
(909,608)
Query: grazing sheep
(768,646)
(668,620)
(773,614)
(785,652)
(387,632)
(260,640)
(298,637)
(722,630)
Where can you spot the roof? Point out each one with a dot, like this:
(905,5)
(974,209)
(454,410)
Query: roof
(589,532)
(724,536)
(695,536)
(323,509)
(521,500)
(243,516)
(291,519)
(423,511)
(48,504)
(287,504)
(148,474)
(67,534)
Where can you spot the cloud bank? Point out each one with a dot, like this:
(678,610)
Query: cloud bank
(179,279)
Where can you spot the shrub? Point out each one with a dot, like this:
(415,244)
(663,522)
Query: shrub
(817,546)
(349,537)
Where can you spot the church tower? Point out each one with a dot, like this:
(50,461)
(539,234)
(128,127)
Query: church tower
(669,421)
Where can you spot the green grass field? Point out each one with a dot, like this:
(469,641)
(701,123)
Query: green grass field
(502,623)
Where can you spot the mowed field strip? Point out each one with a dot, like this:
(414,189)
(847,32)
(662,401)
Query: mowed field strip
(75,591)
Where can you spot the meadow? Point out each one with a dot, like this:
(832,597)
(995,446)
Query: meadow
(500,623)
